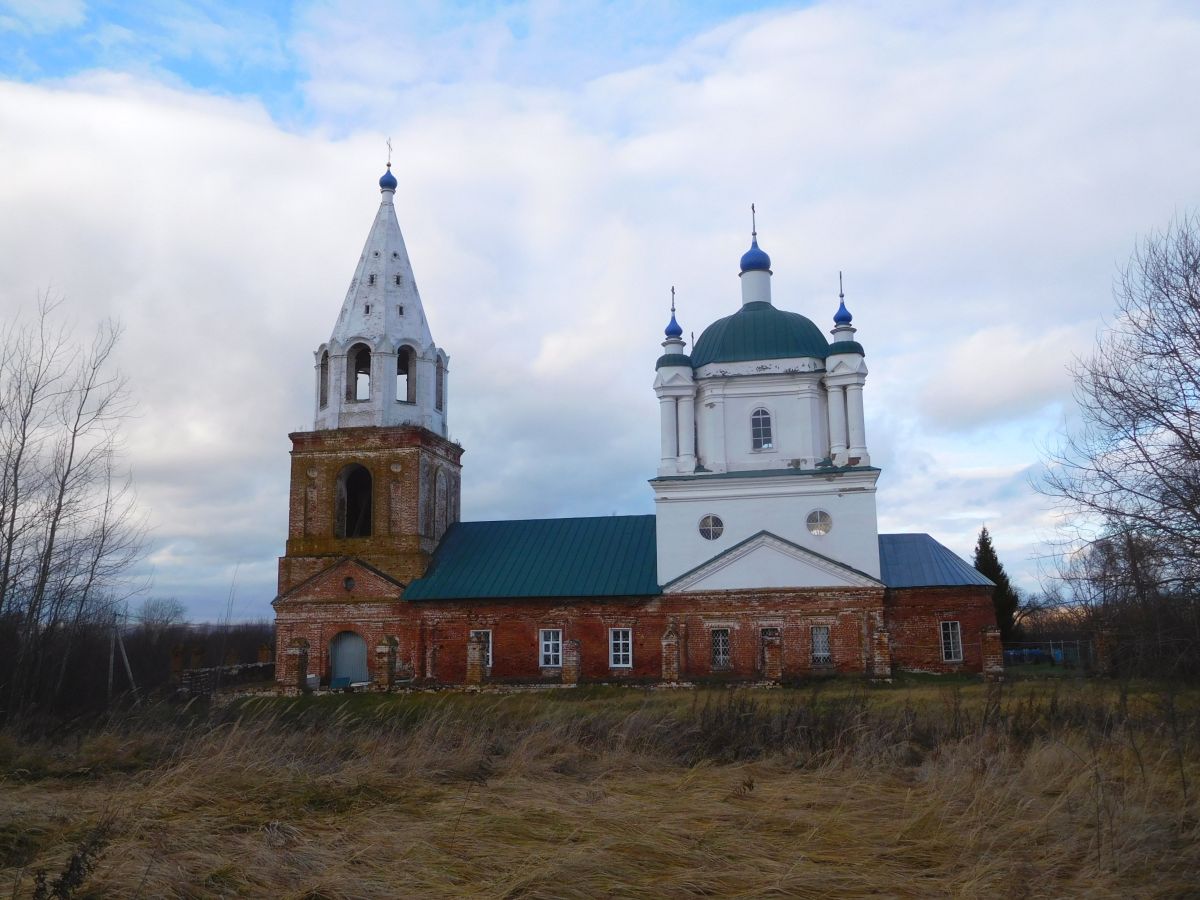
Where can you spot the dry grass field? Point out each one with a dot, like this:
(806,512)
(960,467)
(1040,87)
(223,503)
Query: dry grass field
(925,788)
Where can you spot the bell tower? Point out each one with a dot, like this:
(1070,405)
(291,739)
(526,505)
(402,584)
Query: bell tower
(377,478)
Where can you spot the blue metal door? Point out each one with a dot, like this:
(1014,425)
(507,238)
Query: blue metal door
(347,659)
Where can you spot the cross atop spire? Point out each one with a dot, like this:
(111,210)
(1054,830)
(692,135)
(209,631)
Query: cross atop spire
(673,332)
(389,146)
(753,222)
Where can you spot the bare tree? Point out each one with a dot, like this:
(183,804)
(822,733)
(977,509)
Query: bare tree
(68,526)
(1130,473)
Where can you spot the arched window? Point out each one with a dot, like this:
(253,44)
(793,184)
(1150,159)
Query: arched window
(760,430)
(358,373)
(406,375)
(439,399)
(352,516)
(323,389)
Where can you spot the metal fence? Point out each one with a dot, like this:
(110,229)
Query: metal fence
(1077,654)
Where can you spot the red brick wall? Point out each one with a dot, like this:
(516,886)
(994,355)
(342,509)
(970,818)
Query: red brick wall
(914,617)
(443,629)
(402,527)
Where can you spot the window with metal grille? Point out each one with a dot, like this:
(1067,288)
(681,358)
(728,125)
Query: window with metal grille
(620,648)
(951,642)
(487,640)
(720,649)
(760,430)
(820,646)
(819,522)
(711,527)
(551,641)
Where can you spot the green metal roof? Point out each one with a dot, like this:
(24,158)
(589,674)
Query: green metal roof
(847,347)
(673,359)
(614,556)
(759,331)
(609,556)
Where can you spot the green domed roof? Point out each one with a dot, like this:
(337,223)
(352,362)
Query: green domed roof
(759,331)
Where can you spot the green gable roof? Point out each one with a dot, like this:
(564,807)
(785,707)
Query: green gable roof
(759,331)
(615,556)
(608,556)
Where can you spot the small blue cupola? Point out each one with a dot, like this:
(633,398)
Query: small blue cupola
(388,181)
(842,317)
(673,330)
(755,259)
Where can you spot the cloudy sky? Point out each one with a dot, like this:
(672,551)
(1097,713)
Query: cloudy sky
(205,173)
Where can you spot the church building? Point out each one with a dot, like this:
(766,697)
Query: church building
(761,562)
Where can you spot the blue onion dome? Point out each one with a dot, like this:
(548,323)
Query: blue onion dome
(842,316)
(754,259)
(673,329)
(388,181)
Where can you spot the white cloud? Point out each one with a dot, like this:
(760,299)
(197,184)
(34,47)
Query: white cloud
(977,177)
(41,15)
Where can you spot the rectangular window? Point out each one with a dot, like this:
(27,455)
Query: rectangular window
(620,648)
(487,639)
(720,649)
(551,641)
(951,642)
(820,646)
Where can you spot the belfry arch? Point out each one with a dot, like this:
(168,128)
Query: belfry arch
(352,515)
(358,373)
(406,375)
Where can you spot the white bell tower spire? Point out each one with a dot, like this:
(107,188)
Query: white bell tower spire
(380,365)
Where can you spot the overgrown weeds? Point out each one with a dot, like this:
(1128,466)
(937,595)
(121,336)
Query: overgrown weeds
(838,790)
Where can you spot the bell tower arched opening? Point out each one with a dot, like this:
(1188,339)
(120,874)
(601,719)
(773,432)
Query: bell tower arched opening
(323,389)
(352,517)
(358,373)
(406,375)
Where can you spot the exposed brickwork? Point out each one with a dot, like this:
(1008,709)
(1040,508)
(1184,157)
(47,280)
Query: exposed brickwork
(914,618)
(476,659)
(993,654)
(770,632)
(571,656)
(670,655)
(328,585)
(408,465)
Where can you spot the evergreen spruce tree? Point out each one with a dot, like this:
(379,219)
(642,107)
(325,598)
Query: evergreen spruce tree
(1004,597)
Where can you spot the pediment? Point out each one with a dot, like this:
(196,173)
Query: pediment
(847,366)
(675,378)
(768,561)
(345,581)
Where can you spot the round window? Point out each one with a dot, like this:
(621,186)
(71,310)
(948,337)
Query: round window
(819,522)
(711,527)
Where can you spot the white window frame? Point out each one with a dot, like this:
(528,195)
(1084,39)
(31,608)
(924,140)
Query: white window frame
(712,648)
(550,648)
(825,659)
(488,632)
(951,641)
(620,648)
(757,432)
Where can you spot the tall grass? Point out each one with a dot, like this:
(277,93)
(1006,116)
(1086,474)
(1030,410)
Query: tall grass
(927,791)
